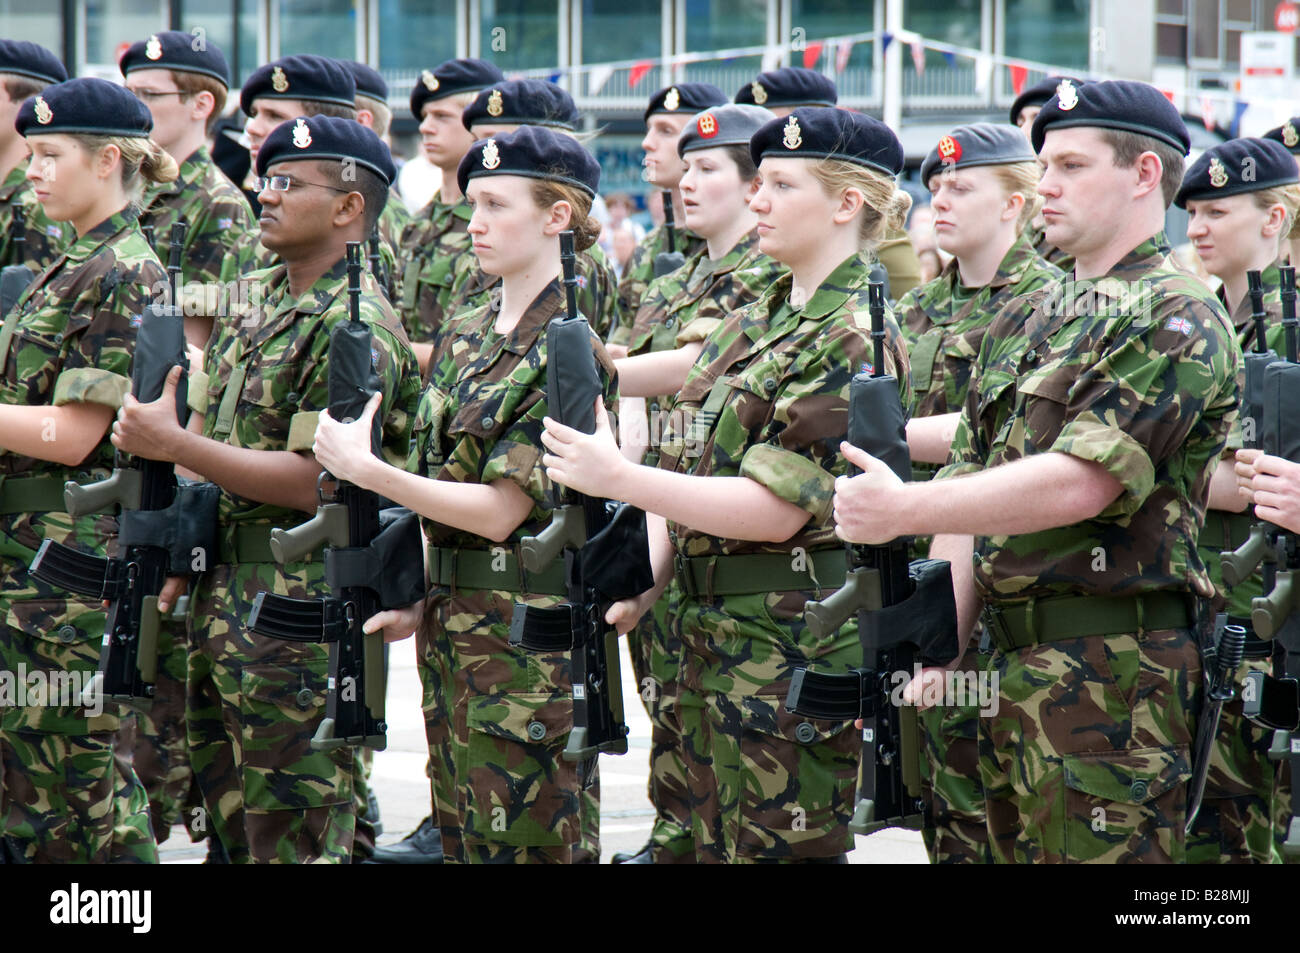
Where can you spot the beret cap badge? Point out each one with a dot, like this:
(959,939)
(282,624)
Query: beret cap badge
(301,134)
(1218,174)
(949,149)
(707,125)
(279,82)
(494,106)
(153,49)
(1289,136)
(430,81)
(792,137)
(760,94)
(672,99)
(1067,95)
(44,114)
(491,155)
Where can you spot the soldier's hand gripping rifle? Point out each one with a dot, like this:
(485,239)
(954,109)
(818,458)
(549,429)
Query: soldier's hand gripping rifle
(671,259)
(906,613)
(1273,700)
(603,543)
(166,528)
(15,278)
(372,562)
(374,261)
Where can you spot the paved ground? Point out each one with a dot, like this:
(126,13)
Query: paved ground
(625,813)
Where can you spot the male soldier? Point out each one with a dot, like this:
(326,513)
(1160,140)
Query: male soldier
(435,247)
(286,89)
(666,115)
(254,702)
(1085,453)
(785,89)
(25,70)
(185,90)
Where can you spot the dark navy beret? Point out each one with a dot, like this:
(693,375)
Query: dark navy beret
(1039,94)
(369,82)
(1225,170)
(535,152)
(523,102)
(326,137)
(87,105)
(980,143)
(726,125)
(450,79)
(307,78)
(173,49)
(687,98)
(1288,134)
(1126,105)
(31,60)
(789,86)
(814,132)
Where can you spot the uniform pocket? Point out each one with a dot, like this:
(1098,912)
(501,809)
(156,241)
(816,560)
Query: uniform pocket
(519,790)
(1125,805)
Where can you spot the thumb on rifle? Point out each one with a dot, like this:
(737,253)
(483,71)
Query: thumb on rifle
(860,458)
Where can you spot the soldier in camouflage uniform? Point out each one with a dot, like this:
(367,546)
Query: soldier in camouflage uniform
(185,91)
(681,309)
(65,360)
(434,252)
(1084,454)
(743,489)
(1238,224)
(665,117)
(1024,111)
(255,702)
(476,455)
(25,70)
(982,179)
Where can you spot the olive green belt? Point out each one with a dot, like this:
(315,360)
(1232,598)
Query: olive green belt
(1056,618)
(1225,531)
(238,543)
(708,577)
(42,494)
(498,569)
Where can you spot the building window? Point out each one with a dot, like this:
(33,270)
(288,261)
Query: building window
(723,24)
(1207,31)
(22,20)
(237,40)
(1050,31)
(112,25)
(323,27)
(819,19)
(520,34)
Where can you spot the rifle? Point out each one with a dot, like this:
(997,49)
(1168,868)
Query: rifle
(147,231)
(373,561)
(604,545)
(165,525)
(671,259)
(15,278)
(1273,700)
(906,613)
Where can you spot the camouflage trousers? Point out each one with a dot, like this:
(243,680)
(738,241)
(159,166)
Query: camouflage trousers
(64,796)
(656,654)
(433,662)
(955,829)
(518,800)
(1088,756)
(1282,812)
(764,785)
(252,707)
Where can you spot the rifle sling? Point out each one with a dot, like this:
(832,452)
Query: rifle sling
(708,577)
(1057,618)
(498,569)
(41,494)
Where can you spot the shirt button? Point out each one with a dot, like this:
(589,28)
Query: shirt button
(805,733)
(67,634)
(1031,358)
(769,384)
(486,423)
(1138,792)
(292,397)
(536,730)
(670,322)
(304,698)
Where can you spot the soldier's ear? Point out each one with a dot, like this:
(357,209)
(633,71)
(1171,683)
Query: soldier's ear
(560,218)
(351,208)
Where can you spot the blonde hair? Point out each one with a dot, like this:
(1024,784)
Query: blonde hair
(1022,177)
(1288,196)
(142,160)
(546,192)
(383,116)
(886,206)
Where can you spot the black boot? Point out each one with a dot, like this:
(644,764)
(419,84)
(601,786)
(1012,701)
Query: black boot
(644,855)
(422,846)
(216,851)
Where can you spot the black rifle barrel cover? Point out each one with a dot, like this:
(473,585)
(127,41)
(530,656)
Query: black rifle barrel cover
(877,423)
(1280,424)
(572,379)
(159,346)
(352,375)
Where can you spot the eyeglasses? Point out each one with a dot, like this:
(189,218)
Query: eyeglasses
(283,183)
(149,95)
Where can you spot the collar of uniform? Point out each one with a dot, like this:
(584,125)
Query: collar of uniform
(549,303)
(89,243)
(1146,256)
(848,277)
(738,253)
(438,209)
(13,181)
(1269,280)
(1010,271)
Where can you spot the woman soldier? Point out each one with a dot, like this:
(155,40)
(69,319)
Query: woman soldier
(982,180)
(65,363)
(679,311)
(1242,197)
(479,485)
(743,495)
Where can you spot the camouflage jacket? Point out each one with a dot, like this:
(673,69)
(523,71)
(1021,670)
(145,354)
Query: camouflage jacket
(45,239)
(944,335)
(266,372)
(1136,371)
(1049,252)
(392,222)
(216,213)
(480,418)
(690,303)
(435,259)
(640,272)
(768,399)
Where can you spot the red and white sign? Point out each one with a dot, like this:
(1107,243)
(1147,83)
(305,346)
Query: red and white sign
(1286,17)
